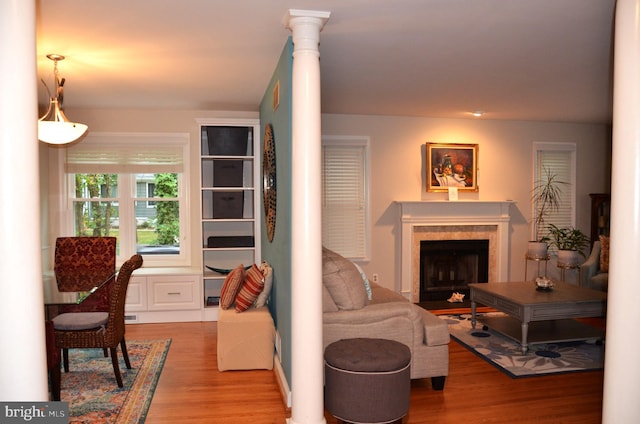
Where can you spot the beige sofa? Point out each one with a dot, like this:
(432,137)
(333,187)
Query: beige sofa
(348,313)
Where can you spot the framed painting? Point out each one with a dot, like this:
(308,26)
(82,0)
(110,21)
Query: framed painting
(451,165)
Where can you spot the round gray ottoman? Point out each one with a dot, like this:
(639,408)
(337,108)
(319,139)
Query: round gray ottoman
(367,380)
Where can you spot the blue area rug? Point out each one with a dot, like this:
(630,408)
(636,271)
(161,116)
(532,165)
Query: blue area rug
(91,390)
(541,359)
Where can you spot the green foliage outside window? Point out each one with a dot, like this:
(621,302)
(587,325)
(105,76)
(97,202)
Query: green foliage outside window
(94,218)
(168,226)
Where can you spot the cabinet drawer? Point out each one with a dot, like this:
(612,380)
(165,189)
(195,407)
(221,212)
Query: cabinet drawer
(173,293)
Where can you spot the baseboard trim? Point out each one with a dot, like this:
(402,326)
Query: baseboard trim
(285,391)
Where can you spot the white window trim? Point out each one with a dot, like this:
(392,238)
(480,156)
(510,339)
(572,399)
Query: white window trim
(65,202)
(365,141)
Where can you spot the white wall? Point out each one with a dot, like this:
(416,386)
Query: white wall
(505,171)
(397,160)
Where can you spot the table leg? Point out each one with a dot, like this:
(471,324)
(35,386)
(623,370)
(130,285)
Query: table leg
(473,313)
(524,345)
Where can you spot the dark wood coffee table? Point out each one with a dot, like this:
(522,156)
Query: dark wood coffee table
(535,316)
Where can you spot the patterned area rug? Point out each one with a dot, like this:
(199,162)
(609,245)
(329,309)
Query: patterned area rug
(541,359)
(91,390)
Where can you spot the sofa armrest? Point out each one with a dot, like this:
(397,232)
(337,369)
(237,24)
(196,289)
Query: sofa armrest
(436,330)
(393,321)
(591,266)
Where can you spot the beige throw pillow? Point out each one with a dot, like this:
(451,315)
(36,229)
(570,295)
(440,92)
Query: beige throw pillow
(343,281)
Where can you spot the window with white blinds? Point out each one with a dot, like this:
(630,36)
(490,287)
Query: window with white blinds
(345,200)
(132,186)
(558,159)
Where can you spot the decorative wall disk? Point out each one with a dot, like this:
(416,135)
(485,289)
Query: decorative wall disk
(269,181)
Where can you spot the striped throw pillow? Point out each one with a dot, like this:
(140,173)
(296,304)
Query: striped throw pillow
(231,287)
(252,287)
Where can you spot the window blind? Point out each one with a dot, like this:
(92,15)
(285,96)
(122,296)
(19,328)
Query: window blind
(559,159)
(117,153)
(344,198)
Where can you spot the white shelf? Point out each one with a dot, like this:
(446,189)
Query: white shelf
(216,222)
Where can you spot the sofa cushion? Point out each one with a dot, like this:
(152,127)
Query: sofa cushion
(604,253)
(328,305)
(343,281)
(251,288)
(231,286)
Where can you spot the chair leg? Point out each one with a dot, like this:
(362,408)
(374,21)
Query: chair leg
(106,352)
(65,358)
(125,354)
(55,383)
(437,383)
(116,367)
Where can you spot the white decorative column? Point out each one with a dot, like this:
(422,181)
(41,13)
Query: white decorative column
(307,397)
(622,369)
(23,368)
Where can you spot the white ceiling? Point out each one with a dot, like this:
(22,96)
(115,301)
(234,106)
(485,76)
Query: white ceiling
(514,59)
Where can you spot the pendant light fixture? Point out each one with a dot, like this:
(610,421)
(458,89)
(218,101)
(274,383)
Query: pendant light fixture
(54,127)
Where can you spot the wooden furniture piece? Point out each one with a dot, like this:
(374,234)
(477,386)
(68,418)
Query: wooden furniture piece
(93,329)
(600,215)
(535,316)
(230,201)
(53,360)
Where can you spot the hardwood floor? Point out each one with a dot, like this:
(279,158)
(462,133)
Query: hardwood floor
(192,390)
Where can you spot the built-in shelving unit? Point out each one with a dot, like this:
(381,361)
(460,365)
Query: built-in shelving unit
(229,168)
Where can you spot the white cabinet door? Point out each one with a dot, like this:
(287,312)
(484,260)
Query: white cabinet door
(136,294)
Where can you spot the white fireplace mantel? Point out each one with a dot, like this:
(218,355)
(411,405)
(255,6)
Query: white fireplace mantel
(420,215)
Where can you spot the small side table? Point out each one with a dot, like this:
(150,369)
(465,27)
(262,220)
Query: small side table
(564,267)
(537,259)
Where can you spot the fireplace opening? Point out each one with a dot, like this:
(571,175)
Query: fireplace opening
(448,266)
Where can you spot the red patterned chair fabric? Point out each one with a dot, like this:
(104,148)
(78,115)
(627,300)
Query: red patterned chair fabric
(81,263)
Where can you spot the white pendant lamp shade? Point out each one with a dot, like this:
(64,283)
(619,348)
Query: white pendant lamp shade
(54,127)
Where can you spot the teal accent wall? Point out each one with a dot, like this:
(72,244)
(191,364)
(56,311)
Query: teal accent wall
(278,252)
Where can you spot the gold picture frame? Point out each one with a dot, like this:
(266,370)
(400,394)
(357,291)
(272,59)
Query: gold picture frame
(451,165)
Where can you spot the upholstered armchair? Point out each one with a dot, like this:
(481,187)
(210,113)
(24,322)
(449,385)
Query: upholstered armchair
(595,270)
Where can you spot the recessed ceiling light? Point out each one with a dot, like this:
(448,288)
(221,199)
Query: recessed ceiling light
(477,113)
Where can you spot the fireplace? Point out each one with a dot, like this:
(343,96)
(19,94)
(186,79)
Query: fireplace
(451,220)
(448,266)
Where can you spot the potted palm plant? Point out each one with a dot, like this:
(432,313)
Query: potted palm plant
(546,199)
(570,243)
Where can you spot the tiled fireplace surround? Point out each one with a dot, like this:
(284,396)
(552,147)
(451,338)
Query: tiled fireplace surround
(452,220)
